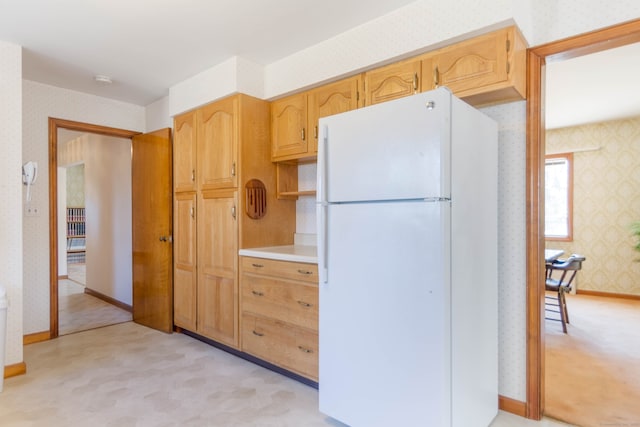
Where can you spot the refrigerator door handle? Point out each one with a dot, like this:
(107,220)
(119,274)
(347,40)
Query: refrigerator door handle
(322,242)
(321,190)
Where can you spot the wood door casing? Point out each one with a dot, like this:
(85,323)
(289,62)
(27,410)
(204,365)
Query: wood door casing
(152,230)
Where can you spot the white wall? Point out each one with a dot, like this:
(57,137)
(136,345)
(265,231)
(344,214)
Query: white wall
(11,190)
(39,103)
(157,115)
(108,216)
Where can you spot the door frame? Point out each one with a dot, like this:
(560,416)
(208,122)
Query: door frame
(54,125)
(583,44)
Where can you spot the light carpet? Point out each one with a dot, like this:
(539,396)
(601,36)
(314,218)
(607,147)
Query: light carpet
(593,371)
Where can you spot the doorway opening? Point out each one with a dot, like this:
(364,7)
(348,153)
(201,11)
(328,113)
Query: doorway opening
(539,57)
(94,247)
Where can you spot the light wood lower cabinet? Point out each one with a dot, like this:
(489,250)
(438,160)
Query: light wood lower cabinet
(279,322)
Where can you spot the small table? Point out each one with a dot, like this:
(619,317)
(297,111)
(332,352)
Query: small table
(552,254)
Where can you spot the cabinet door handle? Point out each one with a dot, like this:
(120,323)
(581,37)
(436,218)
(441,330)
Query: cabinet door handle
(192,212)
(258,293)
(415,82)
(436,77)
(193,174)
(315,132)
(233,169)
(304,349)
(304,304)
(257,265)
(233,212)
(303,134)
(256,333)
(305,272)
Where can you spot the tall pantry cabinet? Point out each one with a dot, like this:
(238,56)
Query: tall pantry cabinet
(224,200)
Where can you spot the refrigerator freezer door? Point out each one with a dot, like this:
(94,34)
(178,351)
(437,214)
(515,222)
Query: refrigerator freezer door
(384,320)
(390,151)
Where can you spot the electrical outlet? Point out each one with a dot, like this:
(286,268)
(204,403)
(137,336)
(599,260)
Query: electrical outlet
(31,210)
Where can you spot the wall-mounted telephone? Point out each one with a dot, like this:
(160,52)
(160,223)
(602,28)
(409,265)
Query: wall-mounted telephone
(29,176)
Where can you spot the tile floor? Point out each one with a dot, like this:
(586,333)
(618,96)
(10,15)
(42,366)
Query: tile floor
(130,375)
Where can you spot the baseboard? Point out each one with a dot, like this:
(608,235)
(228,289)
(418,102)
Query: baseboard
(607,294)
(513,406)
(36,337)
(15,370)
(108,299)
(63,277)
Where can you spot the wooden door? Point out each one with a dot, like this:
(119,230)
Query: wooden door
(218,144)
(184,153)
(218,266)
(289,139)
(184,271)
(152,228)
(330,99)
(393,81)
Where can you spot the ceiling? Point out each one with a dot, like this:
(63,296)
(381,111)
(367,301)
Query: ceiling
(593,88)
(147,46)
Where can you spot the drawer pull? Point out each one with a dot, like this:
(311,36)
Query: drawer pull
(258,293)
(304,304)
(257,265)
(304,349)
(259,334)
(307,272)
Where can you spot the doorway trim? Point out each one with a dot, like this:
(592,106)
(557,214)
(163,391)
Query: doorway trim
(54,125)
(592,42)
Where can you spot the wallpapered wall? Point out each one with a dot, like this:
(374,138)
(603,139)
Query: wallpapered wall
(606,200)
(75,186)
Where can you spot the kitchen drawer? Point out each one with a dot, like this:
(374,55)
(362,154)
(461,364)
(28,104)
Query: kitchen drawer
(287,346)
(285,269)
(291,302)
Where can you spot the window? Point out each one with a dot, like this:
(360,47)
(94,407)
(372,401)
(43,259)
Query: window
(558,197)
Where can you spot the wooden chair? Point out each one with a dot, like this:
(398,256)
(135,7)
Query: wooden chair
(565,271)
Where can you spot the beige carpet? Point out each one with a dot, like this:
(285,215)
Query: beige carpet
(593,371)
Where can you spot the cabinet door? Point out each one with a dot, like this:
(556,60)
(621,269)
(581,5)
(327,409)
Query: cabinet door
(289,137)
(392,82)
(218,144)
(472,65)
(330,99)
(184,247)
(184,152)
(218,266)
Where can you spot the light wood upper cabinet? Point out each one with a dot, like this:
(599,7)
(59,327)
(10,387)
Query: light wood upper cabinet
(294,119)
(184,153)
(218,144)
(330,99)
(392,81)
(483,70)
(217,266)
(289,131)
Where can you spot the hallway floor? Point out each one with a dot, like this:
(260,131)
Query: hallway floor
(130,375)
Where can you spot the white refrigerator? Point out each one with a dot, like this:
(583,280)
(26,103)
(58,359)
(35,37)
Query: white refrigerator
(407,256)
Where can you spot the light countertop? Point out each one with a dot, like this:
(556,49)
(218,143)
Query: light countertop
(295,253)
